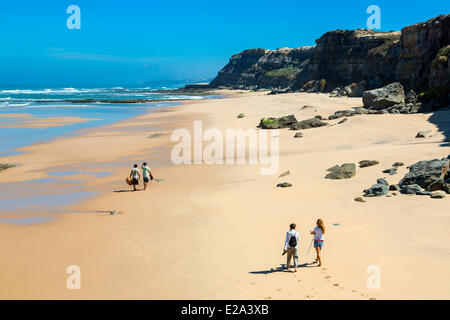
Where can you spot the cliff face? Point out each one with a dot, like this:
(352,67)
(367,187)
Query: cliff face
(360,59)
(344,57)
(262,68)
(418,47)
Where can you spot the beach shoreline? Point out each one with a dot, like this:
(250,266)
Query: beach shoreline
(216,231)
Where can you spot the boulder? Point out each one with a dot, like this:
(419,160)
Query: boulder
(284,185)
(427,173)
(398,164)
(307,124)
(240,115)
(359,199)
(298,135)
(391,171)
(382,181)
(377,190)
(385,97)
(345,171)
(411,189)
(437,195)
(277,123)
(368,163)
(342,121)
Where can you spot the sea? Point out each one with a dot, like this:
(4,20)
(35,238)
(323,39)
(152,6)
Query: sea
(63,102)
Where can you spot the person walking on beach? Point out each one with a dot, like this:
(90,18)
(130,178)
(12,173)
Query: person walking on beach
(146,174)
(318,233)
(135,175)
(291,246)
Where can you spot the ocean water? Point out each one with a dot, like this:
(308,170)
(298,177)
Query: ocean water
(52,102)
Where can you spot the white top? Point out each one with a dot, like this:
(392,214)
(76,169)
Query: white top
(145,171)
(135,173)
(289,234)
(318,234)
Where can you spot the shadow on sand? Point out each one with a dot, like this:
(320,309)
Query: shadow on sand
(127,190)
(441,119)
(282,268)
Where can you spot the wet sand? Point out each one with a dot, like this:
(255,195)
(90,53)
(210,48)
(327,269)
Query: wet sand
(217,231)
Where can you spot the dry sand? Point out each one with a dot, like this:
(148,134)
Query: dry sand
(217,231)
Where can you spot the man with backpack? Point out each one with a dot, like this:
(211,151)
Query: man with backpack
(291,246)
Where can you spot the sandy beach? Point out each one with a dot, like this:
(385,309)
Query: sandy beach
(217,231)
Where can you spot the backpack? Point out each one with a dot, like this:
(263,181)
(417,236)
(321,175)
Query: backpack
(293,241)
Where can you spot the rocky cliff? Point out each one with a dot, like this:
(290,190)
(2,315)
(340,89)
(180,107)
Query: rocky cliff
(260,68)
(354,60)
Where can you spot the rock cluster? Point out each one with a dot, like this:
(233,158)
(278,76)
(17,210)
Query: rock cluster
(392,99)
(431,175)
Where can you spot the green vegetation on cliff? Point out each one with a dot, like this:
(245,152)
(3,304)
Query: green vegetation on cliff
(288,72)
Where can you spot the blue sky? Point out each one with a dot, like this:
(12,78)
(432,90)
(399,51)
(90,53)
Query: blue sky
(129,42)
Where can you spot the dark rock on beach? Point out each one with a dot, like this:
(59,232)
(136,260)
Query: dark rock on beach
(298,135)
(277,123)
(284,185)
(398,164)
(411,189)
(423,134)
(368,163)
(359,199)
(240,115)
(341,114)
(377,190)
(385,97)
(428,173)
(391,171)
(345,171)
(308,124)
